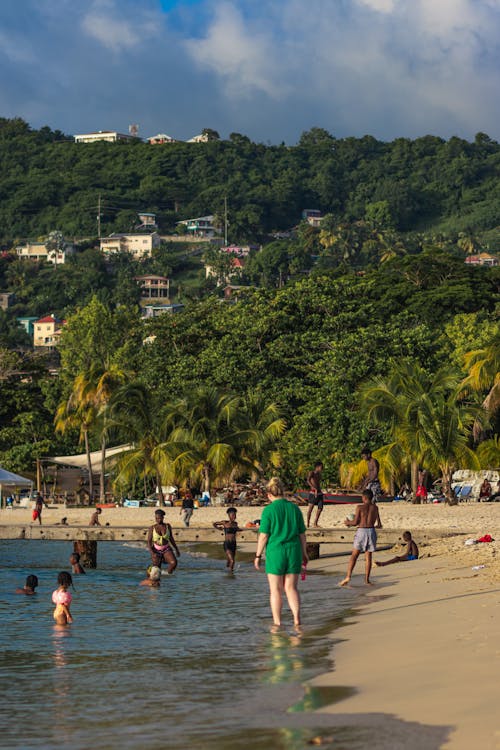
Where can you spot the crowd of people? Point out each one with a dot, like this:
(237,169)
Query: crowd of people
(281,536)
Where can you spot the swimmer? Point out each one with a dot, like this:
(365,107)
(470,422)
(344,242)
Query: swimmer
(29,587)
(153,577)
(62,598)
(76,567)
(161,543)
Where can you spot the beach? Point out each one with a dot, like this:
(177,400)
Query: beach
(422,647)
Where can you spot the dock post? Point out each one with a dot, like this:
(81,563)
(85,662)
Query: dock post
(87,551)
(313,550)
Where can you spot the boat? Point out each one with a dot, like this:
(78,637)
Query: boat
(341,497)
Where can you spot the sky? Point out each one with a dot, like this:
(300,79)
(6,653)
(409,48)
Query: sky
(269,69)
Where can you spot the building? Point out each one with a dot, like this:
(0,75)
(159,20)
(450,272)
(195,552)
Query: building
(313,216)
(38,251)
(28,323)
(160,138)
(202,226)
(46,332)
(154,288)
(237,265)
(241,250)
(202,138)
(6,300)
(110,136)
(482,259)
(148,221)
(138,245)
(154,311)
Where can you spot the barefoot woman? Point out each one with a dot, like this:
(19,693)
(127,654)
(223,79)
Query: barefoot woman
(282,534)
(161,543)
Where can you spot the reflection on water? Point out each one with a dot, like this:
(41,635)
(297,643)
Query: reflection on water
(189,665)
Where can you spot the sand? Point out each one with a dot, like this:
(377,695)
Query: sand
(423,645)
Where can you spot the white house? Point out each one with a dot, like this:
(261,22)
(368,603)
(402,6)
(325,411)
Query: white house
(202,226)
(138,245)
(38,251)
(110,136)
(201,138)
(160,138)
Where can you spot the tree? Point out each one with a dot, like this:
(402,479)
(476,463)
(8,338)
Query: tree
(484,374)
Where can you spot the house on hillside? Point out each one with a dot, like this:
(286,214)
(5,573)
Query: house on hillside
(241,250)
(110,136)
(482,259)
(6,300)
(150,310)
(202,226)
(47,331)
(154,289)
(148,220)
(38,251)
(138,245)
(313,216)
(28,323)
(237,265)
(160,138)
(201,138)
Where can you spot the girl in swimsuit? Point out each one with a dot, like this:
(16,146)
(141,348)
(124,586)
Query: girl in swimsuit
(62,598)
(230,529)
(161,543)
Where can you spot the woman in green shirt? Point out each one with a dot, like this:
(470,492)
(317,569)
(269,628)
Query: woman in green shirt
(282,535)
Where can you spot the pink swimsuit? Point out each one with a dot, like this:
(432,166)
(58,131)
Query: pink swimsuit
(61,597)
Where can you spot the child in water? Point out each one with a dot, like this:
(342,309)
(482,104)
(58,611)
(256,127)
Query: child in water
(29,587)
(230,529)
(62,598)
(153,577)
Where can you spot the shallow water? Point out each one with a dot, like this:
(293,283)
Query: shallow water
(189,665)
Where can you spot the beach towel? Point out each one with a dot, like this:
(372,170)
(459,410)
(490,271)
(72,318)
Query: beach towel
(486,538)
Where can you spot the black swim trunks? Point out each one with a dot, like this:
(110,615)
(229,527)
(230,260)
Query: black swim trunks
(230,547)
(316,498)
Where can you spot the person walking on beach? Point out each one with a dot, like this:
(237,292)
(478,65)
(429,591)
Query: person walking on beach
(76,567)
(161,543)
(62,598)
(315,494)
(37,510)
(410,554)
(29,587)
(367,519)
(94,518)
(371,481)
(230,529)
(187,508)
(282,535)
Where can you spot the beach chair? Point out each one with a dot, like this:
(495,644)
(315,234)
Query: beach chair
(464,494)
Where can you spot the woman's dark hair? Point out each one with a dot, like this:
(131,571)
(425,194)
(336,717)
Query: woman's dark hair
(31,582)
(64,579)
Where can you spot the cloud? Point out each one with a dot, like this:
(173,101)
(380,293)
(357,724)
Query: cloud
(269,69)
(105,23)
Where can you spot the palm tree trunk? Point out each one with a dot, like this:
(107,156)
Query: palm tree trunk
(89,464)
(414,476)
(160,490)
(102,488)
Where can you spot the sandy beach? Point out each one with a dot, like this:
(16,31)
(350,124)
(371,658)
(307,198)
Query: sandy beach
(423,646)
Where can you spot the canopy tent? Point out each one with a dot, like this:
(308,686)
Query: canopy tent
(80,461)
(8,479)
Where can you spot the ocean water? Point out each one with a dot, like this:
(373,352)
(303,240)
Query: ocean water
(192,664)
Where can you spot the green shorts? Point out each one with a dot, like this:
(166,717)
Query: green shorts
(284,558)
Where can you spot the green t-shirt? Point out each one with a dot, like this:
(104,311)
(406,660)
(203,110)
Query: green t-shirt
(282,521)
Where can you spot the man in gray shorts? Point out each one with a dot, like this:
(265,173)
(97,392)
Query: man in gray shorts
(367,519)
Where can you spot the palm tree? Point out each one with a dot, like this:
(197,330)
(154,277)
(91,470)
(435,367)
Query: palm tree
(484,375)
(409,403)
(261,427)
(133,410)
(93,390)
(203,436)
(73,413)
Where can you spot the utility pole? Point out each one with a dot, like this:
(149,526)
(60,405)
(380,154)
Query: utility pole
(99,217)
(225,220)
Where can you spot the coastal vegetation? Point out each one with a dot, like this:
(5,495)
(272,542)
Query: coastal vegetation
(368,330)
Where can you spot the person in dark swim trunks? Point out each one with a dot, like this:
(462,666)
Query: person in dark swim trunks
(230,529)
(315,498)
(410,554)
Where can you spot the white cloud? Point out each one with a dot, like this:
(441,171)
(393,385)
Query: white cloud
(113,30)
(382,6)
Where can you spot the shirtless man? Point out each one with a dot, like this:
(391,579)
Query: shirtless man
(371,481)
(76,566)
(367,519)
(94,518)
(410,554)
(315,493)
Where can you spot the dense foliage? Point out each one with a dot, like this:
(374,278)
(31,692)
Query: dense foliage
(48,181)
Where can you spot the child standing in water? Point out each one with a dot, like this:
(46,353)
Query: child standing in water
(62,598)
(230,528)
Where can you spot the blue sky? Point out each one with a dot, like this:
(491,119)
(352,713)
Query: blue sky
(269,69)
